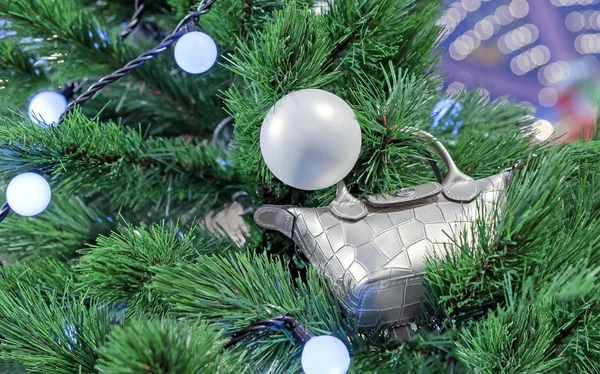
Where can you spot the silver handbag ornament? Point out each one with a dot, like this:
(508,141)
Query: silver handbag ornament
(373,252)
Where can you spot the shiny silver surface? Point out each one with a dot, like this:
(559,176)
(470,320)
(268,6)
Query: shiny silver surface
(373,252)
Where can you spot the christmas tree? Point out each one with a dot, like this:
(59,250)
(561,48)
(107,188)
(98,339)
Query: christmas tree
(148,258)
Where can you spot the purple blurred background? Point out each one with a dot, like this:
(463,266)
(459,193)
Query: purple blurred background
(543,52)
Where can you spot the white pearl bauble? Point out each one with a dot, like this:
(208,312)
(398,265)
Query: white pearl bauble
(28,194)
(46,107)
(195,52)
(325,355)
(310,139)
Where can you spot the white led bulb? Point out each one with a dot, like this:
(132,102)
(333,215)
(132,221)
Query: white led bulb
(195,52)
(46,107)
(325,354)
(28,194)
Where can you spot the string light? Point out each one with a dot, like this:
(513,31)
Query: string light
(454,15)
(575,21)
(471,5)
(504,15)
(487,27)
(183,28)
(455,87)
(322,354)
(542,129)
(46,108)
(445,114)
(325,354)
(484,28)
(28,194)
(587,20)
(519,8)
(195,52)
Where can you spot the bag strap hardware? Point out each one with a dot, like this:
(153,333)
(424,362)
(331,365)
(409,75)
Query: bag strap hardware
(455,186)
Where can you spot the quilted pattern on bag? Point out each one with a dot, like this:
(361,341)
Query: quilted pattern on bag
(375,265)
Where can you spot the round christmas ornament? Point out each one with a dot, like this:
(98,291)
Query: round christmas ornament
(46,107)
(373,251)
(195,52)
(310,139)
(325,354)
(28,194)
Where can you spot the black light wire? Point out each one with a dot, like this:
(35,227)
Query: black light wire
(300,332)
(140,8)
(185,25)
(4,210)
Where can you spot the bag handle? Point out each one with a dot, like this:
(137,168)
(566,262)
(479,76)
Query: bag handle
(456,185)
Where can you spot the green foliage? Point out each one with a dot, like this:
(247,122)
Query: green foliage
(235,290)
(181,7)
(164,347)
(121,267)
(370,33)
(547,229)
(64,22)
(289,54)
(63,229)
(49,274)
(48,332)
(83,157)
(389,156)
(19,74)
(425,353)
(367,41)
(490,345)
(539,321)
(527,222)
(517,296)
(487,117)
(494,152)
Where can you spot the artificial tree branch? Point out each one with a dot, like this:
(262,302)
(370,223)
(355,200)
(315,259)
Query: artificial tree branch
(83,155)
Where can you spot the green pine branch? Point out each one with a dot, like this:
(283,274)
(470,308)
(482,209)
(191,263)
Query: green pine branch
(289,54)
(166,347)
(85,157)
(63,21)
(59,232)
(427,352)
(121,267)
(542,323)
(20,75)
(370,33)
(73,35)
(472,279)
(232,291)
(367,42)
(15,60)
(46,331)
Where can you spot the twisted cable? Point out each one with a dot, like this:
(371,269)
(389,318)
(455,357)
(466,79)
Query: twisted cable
(4,210)
(140,8)
(300,332)
(180,30)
